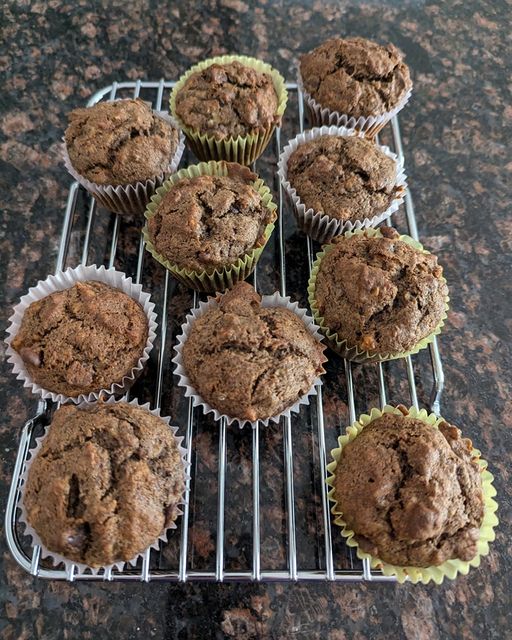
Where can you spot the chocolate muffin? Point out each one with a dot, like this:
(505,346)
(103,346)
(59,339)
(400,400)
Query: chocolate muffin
(355,76)
(105,484)
(228,100)
(122,142)
(411,493)
(379,293)
(251,362)
(344,177)
(82,339)
(208,222)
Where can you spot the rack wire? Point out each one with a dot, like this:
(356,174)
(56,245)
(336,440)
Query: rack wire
(286,534)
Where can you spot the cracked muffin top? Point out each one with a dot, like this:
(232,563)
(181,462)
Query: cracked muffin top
(379,293)
(344,177)
(355,76)
(121,142)
(210,221)
(82,339)
(228,100)
(251,362)
(105,484)
(412,493)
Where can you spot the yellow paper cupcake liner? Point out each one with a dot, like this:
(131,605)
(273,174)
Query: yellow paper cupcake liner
(242,149)
(218,279)
(449,568)
(341,346)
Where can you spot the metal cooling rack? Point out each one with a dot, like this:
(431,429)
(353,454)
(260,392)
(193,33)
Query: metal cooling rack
(279,526)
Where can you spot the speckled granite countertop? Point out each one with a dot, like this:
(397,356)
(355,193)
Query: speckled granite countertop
(456,133)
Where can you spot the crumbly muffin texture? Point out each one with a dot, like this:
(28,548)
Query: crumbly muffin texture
(347,178)
(105,484)
(379,293)
(355,76)
(82,339)
(251,362)
(411,493)
(228,100)
(122,142)
(210,221)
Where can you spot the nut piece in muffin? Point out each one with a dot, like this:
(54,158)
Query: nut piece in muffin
(105,484)
(411,493)
(121,142)
(228,100)
(355,76)
(344,177)
(248,361)
(208,222)
(379,293)
(82,339)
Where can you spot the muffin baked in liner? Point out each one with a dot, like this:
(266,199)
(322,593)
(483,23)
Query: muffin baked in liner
(242,149)
(449,568)
(128,198)
(351,352)
(369,126)
(321,226)
(65,280)
(274,300)
(216,279)
(79,568)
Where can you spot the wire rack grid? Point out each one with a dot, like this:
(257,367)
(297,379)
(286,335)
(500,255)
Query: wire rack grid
(221,536)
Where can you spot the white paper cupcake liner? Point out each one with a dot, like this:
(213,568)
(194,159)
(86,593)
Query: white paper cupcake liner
(320,226)
(274,300)
(129,198)
(83,568)
(64,280)
(370,125)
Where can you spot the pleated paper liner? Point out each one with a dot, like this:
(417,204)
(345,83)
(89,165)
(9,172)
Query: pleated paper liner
(369,126)
(129,198)
(274,300)
(65,280)
(79,568)
(242,149)
(341,347)
(449,568)
(217,279)
(320,226)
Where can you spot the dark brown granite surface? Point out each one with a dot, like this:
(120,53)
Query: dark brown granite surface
(456,134)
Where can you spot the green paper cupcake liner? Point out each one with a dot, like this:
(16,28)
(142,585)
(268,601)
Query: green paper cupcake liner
(218,279)
(341,347)
(449,568)
(242,149)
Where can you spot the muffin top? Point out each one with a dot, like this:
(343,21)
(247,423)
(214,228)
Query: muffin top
(412,493)
(251,362)
(82,339)
(210,221)
(122,142)
(105,484)
(344,177)
(380,294)
(228,100)
(355,76)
